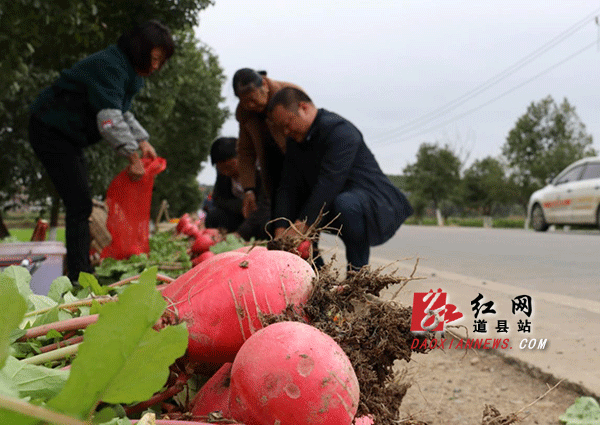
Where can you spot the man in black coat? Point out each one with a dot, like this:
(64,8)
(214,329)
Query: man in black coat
(327,164)
(226,209)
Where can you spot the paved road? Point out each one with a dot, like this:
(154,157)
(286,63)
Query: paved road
(564,263)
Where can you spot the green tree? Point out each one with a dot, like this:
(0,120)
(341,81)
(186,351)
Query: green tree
(546,139)
(484,185)
(39,38)
(435,175)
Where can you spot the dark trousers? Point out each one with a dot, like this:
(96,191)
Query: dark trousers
(219,217)
(65,164)
(352,223)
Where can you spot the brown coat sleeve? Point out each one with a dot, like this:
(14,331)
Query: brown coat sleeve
(247,155)
(277,131)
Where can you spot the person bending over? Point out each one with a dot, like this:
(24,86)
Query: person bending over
(87,103)
(228,194)
(261,145)
(327,164)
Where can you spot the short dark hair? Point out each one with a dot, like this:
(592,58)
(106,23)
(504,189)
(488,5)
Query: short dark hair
(289,98)
(222,149)
(139,42)
(246,79)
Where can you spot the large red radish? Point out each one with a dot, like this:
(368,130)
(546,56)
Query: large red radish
(222,299)
(292,373)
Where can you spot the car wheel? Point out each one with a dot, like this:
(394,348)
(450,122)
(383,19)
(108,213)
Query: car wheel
(538,222)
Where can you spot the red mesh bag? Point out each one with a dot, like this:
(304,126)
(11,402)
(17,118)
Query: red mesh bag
(128,217)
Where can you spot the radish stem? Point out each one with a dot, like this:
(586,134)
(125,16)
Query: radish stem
(63,325)
(175,422)
(37,412)
(57,354)
(60,344)
(159,277)
(73,305)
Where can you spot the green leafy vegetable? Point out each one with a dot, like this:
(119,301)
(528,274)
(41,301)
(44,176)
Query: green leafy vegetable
(88,280)
(585,411)
(230,243)
(12,311)
(37,382)
(122,359)
(39,301)
(165,251)
(59,287)
(21,277)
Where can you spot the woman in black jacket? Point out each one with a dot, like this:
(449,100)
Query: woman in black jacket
(87,103)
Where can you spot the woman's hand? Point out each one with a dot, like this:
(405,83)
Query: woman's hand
(147,149)
(136,168)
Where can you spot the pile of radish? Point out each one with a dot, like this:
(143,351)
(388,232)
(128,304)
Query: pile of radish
(284,373)
(202,238)
(287,372)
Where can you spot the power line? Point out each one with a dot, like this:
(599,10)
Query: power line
(430,116)
(470,111)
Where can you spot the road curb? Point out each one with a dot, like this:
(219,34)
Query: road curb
(547,377)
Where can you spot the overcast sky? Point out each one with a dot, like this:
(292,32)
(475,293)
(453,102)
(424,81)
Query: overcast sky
(457,72)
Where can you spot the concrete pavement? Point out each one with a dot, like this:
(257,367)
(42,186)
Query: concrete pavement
(563,342)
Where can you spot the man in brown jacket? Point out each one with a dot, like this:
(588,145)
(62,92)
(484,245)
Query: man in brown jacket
(260,144)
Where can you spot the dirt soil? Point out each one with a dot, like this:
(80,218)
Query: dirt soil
(453,386)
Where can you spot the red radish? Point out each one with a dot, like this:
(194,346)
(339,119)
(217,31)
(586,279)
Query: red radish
(189,229)
(184,220)
(192,277)
(213,233)
(214,394)
(292,373)
(304,249)
(202,244)
(223,298)
(364,420)
(202,257)
(195,233)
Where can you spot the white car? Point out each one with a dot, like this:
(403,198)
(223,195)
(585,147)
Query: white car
(573,197)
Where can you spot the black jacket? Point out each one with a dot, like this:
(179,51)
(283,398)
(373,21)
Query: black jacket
(333,158)
(223,196)
(73,104)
